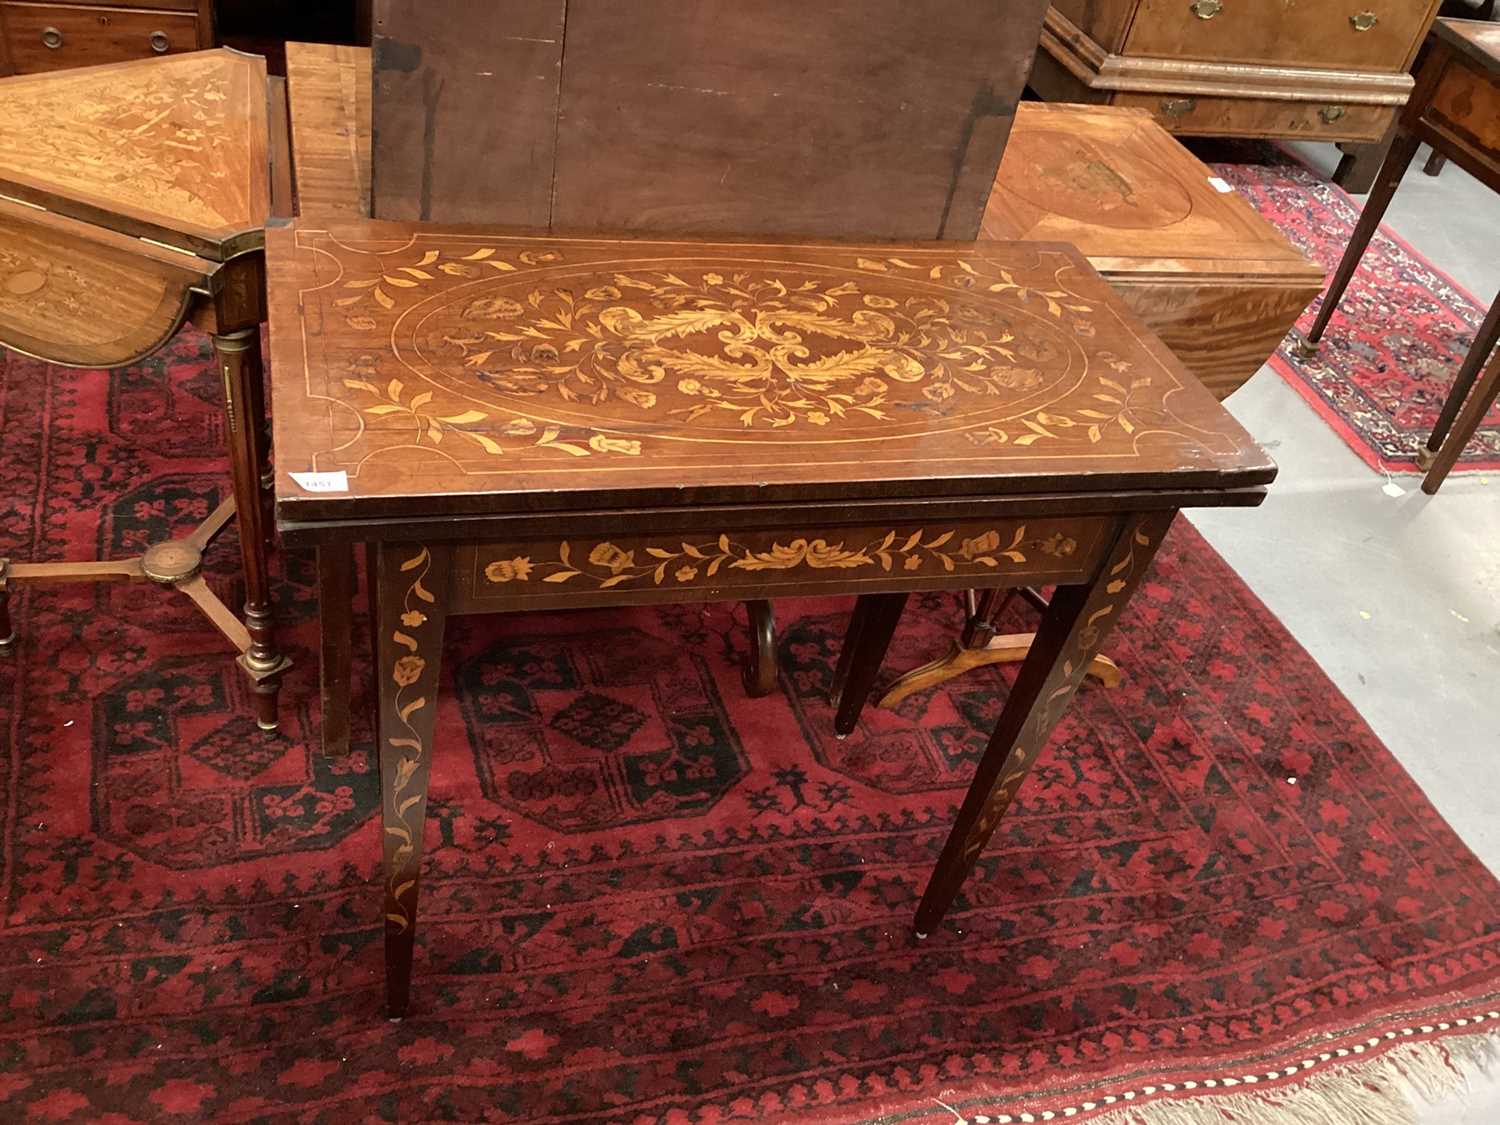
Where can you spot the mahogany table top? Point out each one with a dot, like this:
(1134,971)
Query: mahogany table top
(453,371)
(172,148)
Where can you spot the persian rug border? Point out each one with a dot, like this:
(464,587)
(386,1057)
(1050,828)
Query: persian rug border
(1420,1048)
(1290,367)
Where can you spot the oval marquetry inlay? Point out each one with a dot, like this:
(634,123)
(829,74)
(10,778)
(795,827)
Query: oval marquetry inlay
(24,283)
(1070,176)
(796,350)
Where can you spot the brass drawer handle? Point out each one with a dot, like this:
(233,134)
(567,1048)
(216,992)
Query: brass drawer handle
(1206,9)
(1331,113)
(160,43)
(1178,107)
(52,39)
(1363,21)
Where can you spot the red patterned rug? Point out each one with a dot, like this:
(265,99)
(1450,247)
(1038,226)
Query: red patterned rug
(651,899)
(1400,334)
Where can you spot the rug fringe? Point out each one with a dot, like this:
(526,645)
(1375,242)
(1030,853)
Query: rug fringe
(1374,1092)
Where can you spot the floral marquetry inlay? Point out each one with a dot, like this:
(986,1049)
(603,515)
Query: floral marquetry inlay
(536,363)
(1046,550)
(179,140)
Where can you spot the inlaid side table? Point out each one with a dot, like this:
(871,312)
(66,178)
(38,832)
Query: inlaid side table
(518,423)
(1455,108)
(133,198)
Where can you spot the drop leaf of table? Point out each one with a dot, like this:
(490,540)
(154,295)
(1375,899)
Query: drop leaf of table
(133,197)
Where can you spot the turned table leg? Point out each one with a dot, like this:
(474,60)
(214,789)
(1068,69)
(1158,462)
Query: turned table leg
(413,597)
(1074,629)
(336,626)
(1396,163)
(240,365)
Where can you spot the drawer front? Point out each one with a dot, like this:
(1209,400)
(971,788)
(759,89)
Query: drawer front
(1378,35)
(1188,115)
(1467,102)
(647,569)
(43,37)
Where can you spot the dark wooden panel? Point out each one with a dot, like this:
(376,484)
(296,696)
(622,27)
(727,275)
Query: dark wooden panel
(876,118)
(465,106)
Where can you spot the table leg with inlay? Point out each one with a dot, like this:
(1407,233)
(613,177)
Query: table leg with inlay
(1078,621)
(413,600)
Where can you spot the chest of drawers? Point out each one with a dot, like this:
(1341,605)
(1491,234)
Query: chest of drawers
(1333,70)
(64,34)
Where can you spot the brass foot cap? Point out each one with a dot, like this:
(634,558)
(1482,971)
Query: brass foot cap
(1306,348)
(1425,458)
(265,726)
(170,563)
(6,642)
(921,936)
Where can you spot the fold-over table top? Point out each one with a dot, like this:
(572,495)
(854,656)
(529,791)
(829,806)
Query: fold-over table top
(172,148)
(449,370)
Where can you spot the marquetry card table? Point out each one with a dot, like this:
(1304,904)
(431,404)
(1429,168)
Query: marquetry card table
(133,197)
(545,422)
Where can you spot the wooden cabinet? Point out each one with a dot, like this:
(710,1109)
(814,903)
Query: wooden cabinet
(1327,69)
(65,34)
(1214,280)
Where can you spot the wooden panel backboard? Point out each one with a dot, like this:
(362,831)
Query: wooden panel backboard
(861,118)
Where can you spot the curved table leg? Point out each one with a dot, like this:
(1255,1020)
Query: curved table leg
(1008,648)
(761,671)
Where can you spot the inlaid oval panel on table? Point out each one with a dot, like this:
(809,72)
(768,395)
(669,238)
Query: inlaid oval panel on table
(490,371)
(517,423)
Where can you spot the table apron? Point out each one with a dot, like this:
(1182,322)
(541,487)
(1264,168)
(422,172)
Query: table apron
(523,526)
(646,568)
